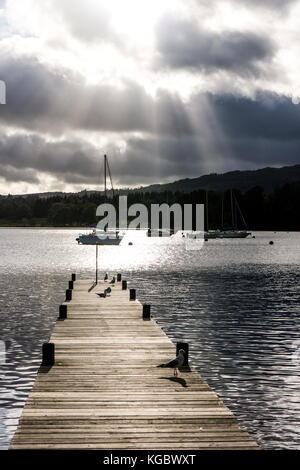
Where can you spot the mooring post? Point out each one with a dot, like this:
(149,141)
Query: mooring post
(62,312)
(124,285)
(132,294)
(48,354)
(185,347)
(146,311)
(119,277)
(68,295)
(73,277)
(71,285)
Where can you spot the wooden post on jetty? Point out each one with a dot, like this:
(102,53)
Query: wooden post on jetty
(132,294)
(146,312)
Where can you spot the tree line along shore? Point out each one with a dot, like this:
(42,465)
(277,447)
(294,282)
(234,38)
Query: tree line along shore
(278,210)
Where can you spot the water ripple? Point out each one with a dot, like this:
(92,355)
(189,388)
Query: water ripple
(235,303)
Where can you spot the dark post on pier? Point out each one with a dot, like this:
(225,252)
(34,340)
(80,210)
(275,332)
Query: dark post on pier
(99,386)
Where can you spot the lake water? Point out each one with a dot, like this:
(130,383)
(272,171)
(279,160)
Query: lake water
(236,302)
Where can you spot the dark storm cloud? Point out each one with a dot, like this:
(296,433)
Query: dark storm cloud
(161,157)
(41,99)
(274,4)
(184,44)
(23,158)
(250,140)
(52,101)
(150,160)
(46,100)
(270,116)
(261,152)
(194,155)
(12,175)
(176,138)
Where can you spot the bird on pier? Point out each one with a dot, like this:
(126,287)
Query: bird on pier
(104,294)
(175,363)
(106,277)
(101,294)
(113,280)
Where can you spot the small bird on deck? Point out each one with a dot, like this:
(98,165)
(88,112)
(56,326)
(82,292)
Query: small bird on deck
(113,280)
(106,277)
(175,363)
(104,294)
(101,294)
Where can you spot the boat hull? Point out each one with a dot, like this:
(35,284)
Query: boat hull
(227,234)
(95,240)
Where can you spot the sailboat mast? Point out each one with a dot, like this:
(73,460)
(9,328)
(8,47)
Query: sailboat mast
(206,210)
(112,186)
(232,213)
(235,215)
(222,216)
(240,212)
(105,163)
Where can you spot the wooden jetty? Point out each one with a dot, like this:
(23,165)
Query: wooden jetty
(104,390)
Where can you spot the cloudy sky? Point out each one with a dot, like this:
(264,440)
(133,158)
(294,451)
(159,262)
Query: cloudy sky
(166,88)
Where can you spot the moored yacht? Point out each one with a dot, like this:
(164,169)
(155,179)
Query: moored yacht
(231,232)
(226,234)
(101,237)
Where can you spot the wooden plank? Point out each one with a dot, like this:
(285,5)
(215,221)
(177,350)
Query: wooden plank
(106,392)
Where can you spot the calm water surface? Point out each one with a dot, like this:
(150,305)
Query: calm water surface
(236,302)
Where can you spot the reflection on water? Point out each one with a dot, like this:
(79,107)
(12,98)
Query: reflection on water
(235,301)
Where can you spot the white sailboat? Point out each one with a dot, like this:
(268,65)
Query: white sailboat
(97,237)
(101,237)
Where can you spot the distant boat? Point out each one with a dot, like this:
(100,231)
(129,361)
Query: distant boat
(101,237)
(159,232)
(227,233)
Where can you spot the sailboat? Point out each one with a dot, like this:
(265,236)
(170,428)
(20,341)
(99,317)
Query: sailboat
(102,237)
(231,233)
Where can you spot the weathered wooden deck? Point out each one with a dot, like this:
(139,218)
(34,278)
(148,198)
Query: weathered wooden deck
(105,391)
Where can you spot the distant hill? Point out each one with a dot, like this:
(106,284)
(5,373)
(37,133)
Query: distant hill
(268,178)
